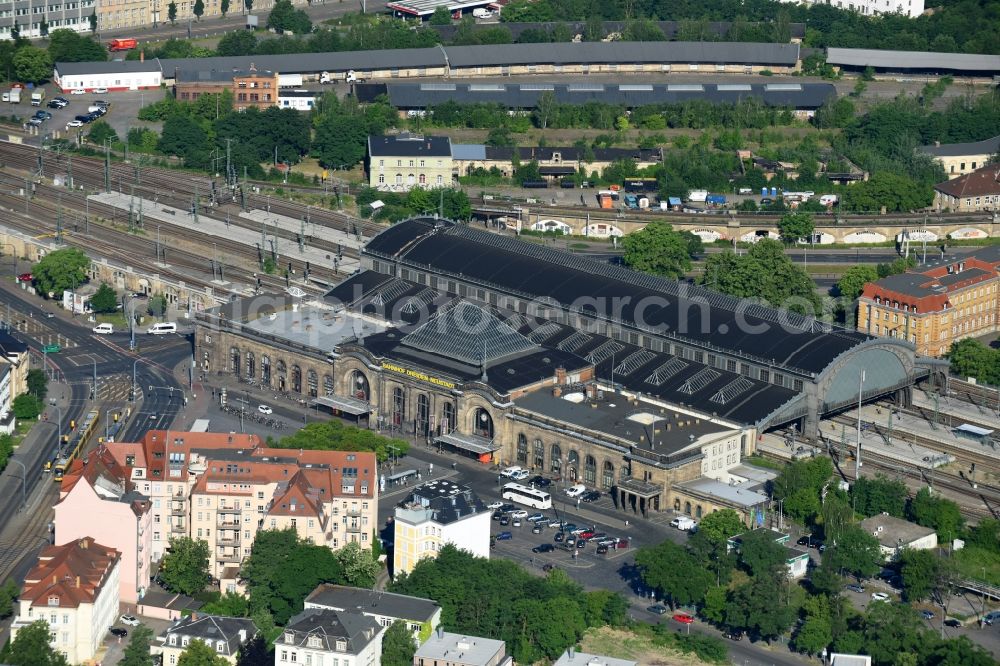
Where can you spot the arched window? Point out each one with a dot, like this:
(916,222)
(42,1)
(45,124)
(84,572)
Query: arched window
(359,385)
(423,414)
(399,179)
(313,380)
(265,370)
(573,465)
(539,450)
(381,179)
(398,406)
(482,423)
(697,512)
(296,379)
(251,365)
(440,180)
(282,375)
(687,508)
(608,478)
(556,460)
(410,180)
(677,504)
(423,179)
(590,470)
(522,449)
(327,385)
(447,418)
(234,361)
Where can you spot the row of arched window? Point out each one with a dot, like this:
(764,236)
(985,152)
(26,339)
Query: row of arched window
(534,455)
(277,374)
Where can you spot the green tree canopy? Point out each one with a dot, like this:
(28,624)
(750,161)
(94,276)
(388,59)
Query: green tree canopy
(657,249)
(765,273)
(857,552)
(816,632)
(31,647)
(338,436)
(359,566)
(256,652)
(38,383)
(441,16)
(172,12)
(104,300)
(70,46)
(761,555)
(672,570)
(760,606)
(9,592)
(184,568)
(26,407)
(972,358)
(854,279)
(919,570)
(942,514)
(800,484)
(873,496)
(101,132)
(398,647)
(282,569)
(199,653)
(137,651)
(237,43)
(720,525)
(32,64)
(199,9)
(61,270)
(286,18)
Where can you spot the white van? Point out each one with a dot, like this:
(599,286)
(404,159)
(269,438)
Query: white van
(698,195)
(104,329)
(829,199)
(482,13)
(162,329)
(684,524)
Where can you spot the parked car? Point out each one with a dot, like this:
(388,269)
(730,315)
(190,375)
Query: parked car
(856,587)
(504,536)
(74,123)
(659,609)
(536,528)
(952,622)
(585,535)
(804,540)
(558,536)
(590,496)
(568,527)
(735,635)
(54,104)
(684,524)
(100,91)
(104,329)
(516,522)
(25,277)
(543,548)
(264,409)
(537,518)
(929,615)
(577,490)
(683,618)
(520,475)
(505,520)
(498,514)
(118,631)
(991,617)
(520,513)
(540,481)
(130,620)
(880,596)
(581,543)
(555,522)
(34,122)
(508,472)
(494,505)
(78,91)
(598,537)
(602,549)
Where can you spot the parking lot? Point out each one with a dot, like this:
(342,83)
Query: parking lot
(124,109)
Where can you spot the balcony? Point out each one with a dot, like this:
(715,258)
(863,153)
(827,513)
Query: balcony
(178,528)
(178,509)
(230,509)
(231,539)
(228,524)
(234,557)
(354,527)
(355,513)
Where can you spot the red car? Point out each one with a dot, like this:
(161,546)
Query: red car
(683,618)
(25,277)
(586,535)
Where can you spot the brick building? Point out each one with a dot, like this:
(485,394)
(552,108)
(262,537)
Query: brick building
(936,304)
(250,87)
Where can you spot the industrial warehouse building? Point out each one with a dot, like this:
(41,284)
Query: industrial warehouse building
(503,350)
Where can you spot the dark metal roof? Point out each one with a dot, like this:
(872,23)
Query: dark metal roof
(215,75)
(469,334)
(377,602)
(666,308)
(449,501)
(984,147)
(330,626)
(623,53)
(416,95)
(409,145)
(914,60)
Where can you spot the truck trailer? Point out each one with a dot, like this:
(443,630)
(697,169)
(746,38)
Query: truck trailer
(122,44)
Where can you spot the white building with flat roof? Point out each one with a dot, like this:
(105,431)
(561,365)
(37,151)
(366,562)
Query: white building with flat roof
(911,8)
(438,513)
(573,658)
(444,647)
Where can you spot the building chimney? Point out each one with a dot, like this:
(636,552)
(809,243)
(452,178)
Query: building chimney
(557,392)
(440,632)
(243,635)
(78,581)
(142,55)
(571,652)
(560,375)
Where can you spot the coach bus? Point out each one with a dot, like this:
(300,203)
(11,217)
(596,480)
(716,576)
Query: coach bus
(537,499)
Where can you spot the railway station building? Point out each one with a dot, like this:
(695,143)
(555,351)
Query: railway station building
(506,351)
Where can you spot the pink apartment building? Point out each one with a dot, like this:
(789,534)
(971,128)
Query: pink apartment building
(97,499)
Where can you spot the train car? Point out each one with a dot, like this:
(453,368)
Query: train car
(69,451)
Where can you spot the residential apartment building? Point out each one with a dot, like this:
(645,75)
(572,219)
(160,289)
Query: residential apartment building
(910,8)
(119,14)
(444,647)
(318,637)
(223,488)
(74,588)
(959,159)
(977,190)
(936,304)
(225,635)
(28,18)
(400,162)
(250,87)
(98,499)
(15,353)
(438,513)
(421,616)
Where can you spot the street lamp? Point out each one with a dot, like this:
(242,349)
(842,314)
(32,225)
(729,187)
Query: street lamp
(857,459)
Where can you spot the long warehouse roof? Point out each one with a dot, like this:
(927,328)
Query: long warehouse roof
(914,60)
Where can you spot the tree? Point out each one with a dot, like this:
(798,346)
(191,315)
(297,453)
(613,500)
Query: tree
(340,141)
(397,645)
(657,249)
(500,137)
(31,647)
(32,64)
(285,18)
(672,570)
(338,436)
(282,569)
(157,305)
(760,606)
(199,9)
(9,592)
(546,109)
(224,9)
(27,407)
(38,383)
(137,651)
(360,568)
(873,496)
(719,526)
(237,43)
(942,514)
(229,604)
(101,132)
(763,273)
(198,653)
(70,46)
(172,12)
(441,16)
(816,633)
(858,552)
(93,21)
(104,300)
(795,226)
(919,571)
(854,279)
(256,652)
(761,555)
(184,568)
(972,358)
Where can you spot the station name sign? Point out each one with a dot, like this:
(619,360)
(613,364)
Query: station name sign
(391,367)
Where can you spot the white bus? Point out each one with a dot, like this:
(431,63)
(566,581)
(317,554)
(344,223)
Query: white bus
(537,499)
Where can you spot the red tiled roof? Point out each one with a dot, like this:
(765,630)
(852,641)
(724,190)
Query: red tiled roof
(981,182)
(69,575)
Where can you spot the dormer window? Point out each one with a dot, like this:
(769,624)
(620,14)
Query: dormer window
(53,601)
(289,637)
(341,646)
(185,640)
(315,642)
(220,646)
(173,639)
